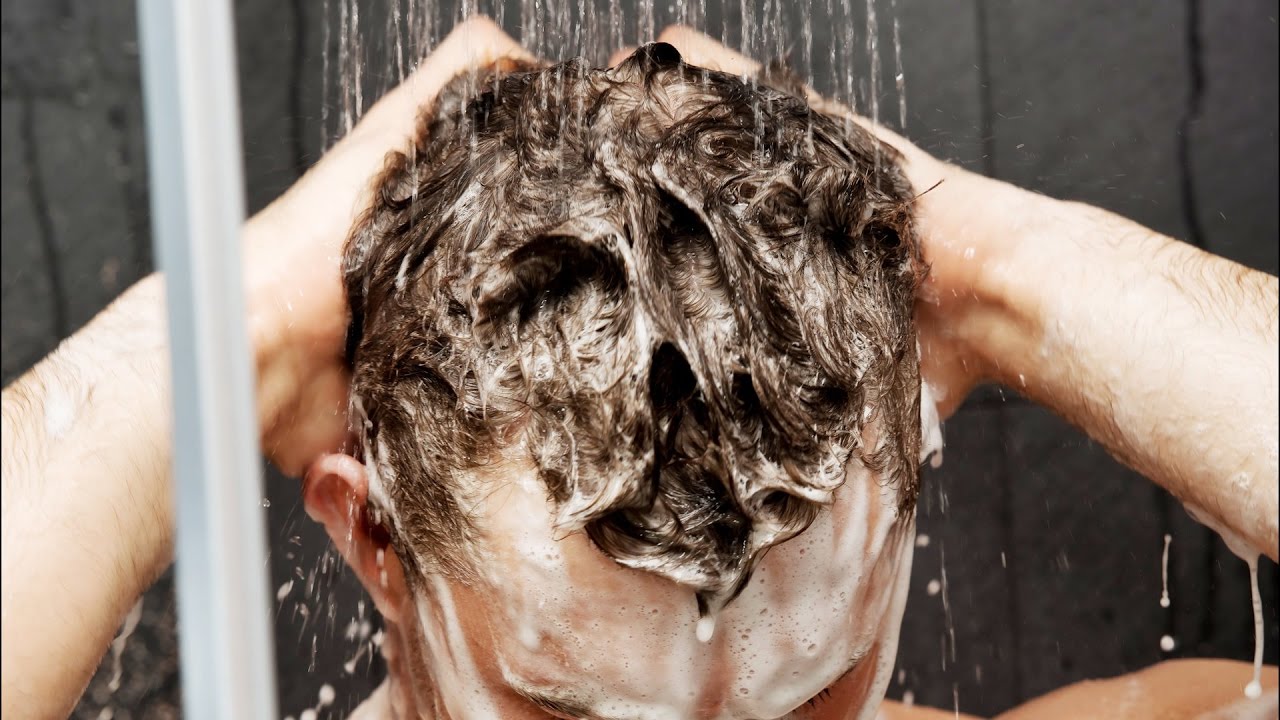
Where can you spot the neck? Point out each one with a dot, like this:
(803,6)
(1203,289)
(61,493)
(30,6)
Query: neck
(397,695)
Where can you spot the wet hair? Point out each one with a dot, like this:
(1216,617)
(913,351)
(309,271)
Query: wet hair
(683,296)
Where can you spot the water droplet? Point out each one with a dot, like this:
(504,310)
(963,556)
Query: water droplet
(1164,573)
(1254,689)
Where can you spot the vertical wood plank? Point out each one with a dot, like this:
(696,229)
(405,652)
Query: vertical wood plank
(86,200)
(960,503)
(1086,542)
(25,335)
(1087,99)
(941,61)
(957,645)
(1234,148)
(264,40)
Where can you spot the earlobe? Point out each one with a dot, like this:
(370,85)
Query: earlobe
(334,491)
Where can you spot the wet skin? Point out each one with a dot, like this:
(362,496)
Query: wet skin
(552,627)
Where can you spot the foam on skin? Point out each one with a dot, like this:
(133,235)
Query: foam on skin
(560,618)
(930,426)
(825,594)
(61,410)
(450,655)
(1244,550)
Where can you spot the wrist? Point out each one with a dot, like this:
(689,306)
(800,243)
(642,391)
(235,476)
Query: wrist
(271,334)
(985,242)
(296,321)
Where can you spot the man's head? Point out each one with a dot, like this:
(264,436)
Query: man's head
(617,336)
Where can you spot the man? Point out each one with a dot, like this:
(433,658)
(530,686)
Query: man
(639,399)
(104,536)
(603,301)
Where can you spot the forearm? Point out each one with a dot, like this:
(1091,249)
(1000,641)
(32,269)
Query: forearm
(87,490)
(1161,352)
(87,523)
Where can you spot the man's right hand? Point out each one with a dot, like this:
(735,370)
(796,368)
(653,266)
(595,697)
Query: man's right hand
(293,256)
(947,194)
(1163,353)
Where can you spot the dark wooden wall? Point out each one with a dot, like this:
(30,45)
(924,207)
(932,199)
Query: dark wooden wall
(1165,112)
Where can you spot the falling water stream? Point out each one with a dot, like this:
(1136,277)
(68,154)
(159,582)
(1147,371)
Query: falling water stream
(834,44)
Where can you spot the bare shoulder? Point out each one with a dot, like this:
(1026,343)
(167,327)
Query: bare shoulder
(375,707)
(1193,688)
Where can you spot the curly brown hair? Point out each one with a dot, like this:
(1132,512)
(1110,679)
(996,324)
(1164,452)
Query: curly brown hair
(681,294)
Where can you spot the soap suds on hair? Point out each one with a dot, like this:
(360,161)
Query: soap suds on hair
(588,300)
(702,401)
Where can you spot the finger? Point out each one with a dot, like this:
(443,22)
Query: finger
(702,50)
(699,49)
(474,43)
(939,373)
(316,426)
(622,54)
(393,119)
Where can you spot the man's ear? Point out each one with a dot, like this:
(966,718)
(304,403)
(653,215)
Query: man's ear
(335,490)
